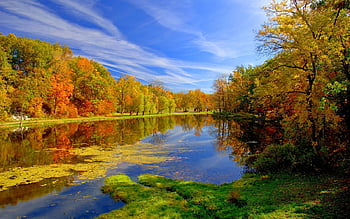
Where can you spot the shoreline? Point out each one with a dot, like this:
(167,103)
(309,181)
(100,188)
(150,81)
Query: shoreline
(279,195)
(47,121)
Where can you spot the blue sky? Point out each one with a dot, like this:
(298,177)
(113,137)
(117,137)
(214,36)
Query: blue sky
(186,44)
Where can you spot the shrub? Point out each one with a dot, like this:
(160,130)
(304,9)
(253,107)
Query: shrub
(235,198)
(287,157)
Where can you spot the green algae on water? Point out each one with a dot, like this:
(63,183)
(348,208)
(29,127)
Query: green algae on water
(95,161)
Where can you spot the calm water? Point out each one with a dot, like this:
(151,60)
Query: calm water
(81,155)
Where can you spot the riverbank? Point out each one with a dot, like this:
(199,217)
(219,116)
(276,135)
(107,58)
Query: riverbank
(323,195)
(48,121)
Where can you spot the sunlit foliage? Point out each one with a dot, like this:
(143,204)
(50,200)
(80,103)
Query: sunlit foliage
(38,79)
(304,86)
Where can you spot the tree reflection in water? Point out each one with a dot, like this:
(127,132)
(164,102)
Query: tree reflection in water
(58,144)
(27,192)
(246,136)
(175,146)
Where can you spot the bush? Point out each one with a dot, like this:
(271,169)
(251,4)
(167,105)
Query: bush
(235,198)
(285,158)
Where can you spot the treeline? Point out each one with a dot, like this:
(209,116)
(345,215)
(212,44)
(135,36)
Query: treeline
(39,79)
(304,89)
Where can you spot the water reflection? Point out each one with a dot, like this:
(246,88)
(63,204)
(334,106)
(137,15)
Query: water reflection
(80,155)
(245,136)
(30,147)
(14,195)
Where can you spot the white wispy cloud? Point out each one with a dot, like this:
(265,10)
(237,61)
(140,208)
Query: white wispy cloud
(105,44)
(217,48)
(176,16)
(180,16)
(170,14)
(86,12)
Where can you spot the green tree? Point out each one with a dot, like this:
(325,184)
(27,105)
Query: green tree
(163,104)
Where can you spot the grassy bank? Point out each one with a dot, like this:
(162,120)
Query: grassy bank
(253,196)
(48,121)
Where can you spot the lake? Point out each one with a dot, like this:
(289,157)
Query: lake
(57,171)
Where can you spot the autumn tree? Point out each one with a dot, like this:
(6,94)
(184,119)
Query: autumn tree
(5,88)
(242,82)
(93,87)
(301,35)
(182,101)
(127,93)
(221,87)
(26,72)
(40,79)
(335,18)
(195,100)
(59,98)
(199,100)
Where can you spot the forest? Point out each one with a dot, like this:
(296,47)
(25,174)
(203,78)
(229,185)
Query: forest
(303,90)
(43,80)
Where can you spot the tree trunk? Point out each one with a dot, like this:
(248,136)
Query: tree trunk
(347,98)
(310,105)
(347,109)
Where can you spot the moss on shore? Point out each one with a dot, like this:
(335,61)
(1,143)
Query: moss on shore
(253,196)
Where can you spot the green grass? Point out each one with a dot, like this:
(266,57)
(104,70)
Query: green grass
(114,116)
(253,196)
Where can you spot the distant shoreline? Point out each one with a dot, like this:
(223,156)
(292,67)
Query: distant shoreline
(46,121)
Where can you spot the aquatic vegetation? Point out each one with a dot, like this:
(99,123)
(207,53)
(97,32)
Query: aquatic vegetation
(93,163)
